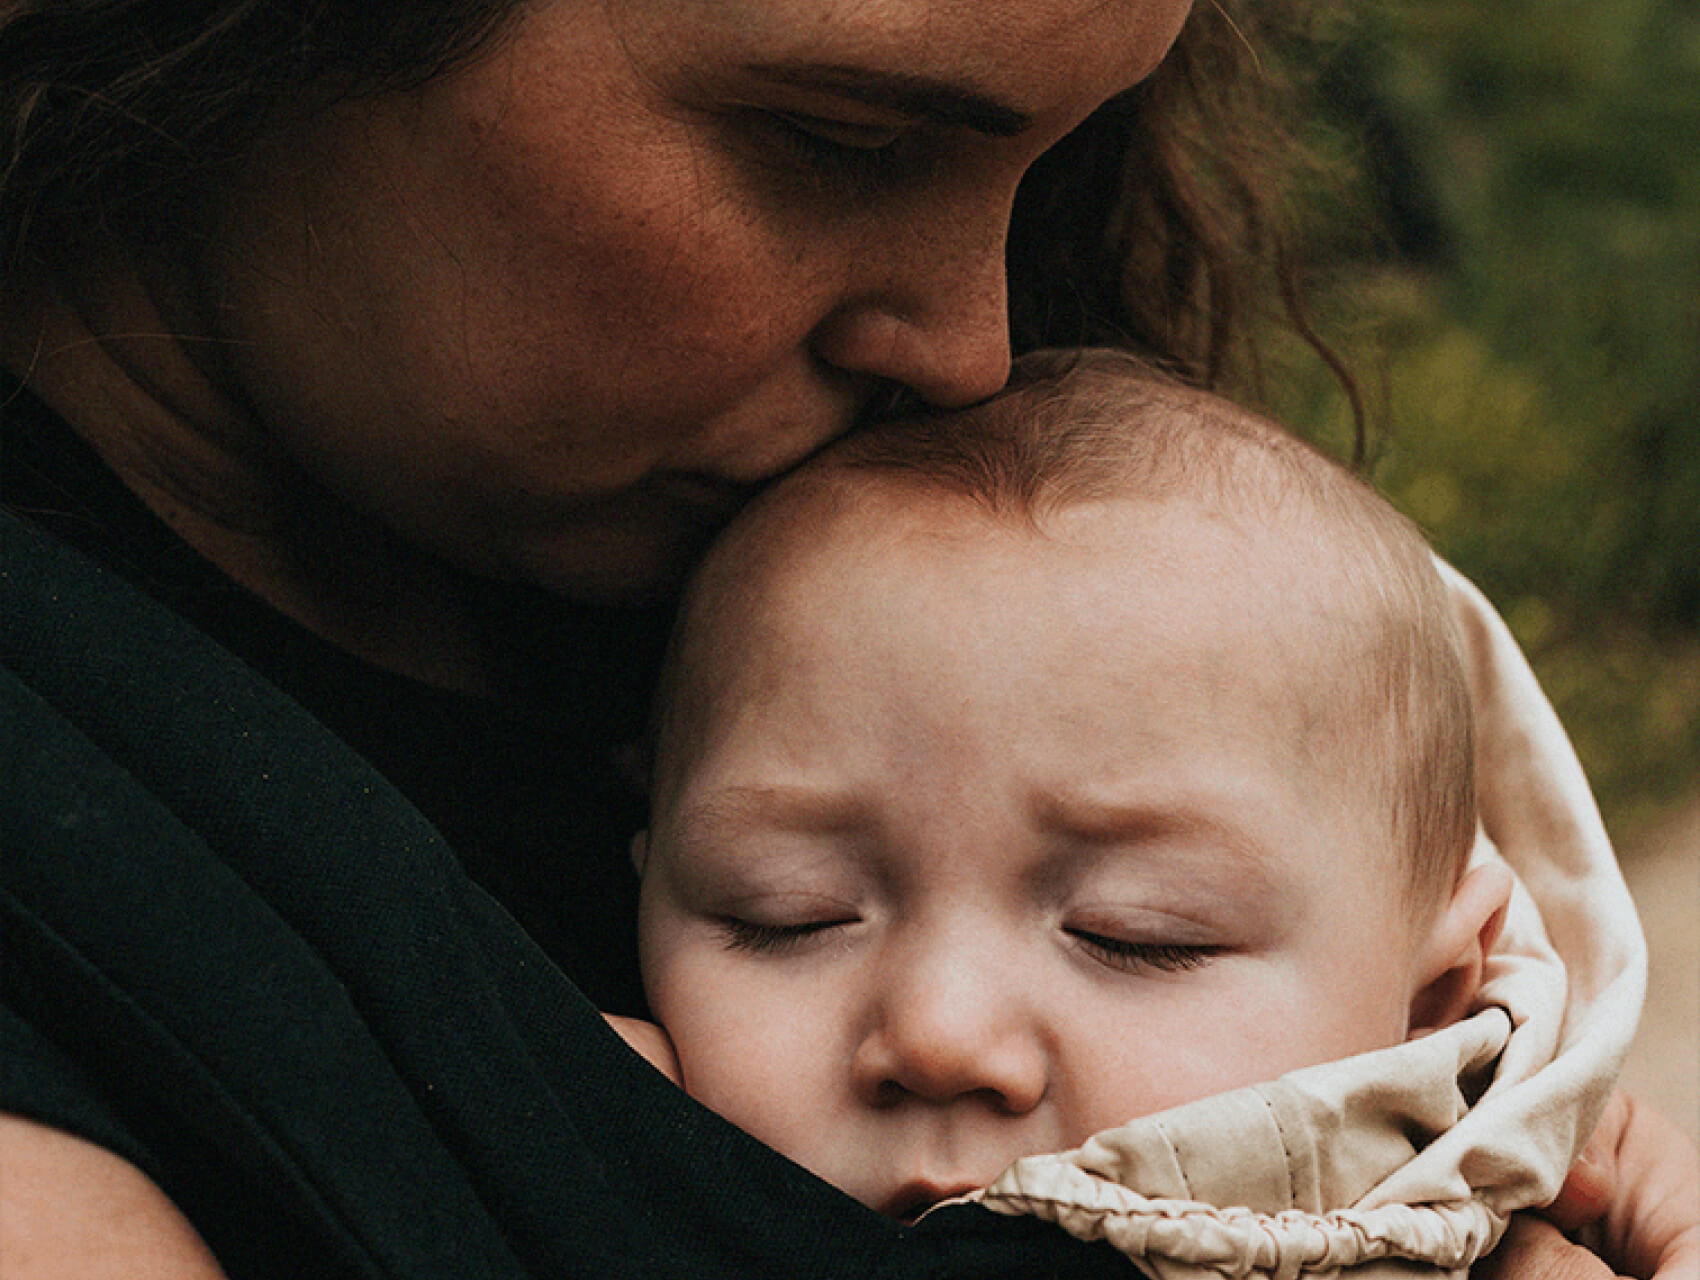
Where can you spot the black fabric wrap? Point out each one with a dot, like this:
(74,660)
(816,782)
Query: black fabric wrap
(237,956)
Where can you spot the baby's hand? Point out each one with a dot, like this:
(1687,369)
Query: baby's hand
(651,1041)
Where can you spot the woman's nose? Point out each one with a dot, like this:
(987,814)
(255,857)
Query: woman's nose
(935,319)
(947,1037)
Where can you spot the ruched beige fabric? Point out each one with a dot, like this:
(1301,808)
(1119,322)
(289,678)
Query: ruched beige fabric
(1408,1161)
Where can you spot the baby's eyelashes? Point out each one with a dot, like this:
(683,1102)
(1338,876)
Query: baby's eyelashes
(771,939)
(1143,957)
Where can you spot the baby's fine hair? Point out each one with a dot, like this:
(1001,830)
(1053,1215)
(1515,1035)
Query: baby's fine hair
(1089,425)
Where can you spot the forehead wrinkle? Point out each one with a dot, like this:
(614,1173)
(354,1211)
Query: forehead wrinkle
(1102,823)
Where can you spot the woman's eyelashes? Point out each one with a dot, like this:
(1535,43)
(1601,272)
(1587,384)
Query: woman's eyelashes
(837,155)
(1143,957)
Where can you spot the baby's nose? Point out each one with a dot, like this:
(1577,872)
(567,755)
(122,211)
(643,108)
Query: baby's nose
(951,1036)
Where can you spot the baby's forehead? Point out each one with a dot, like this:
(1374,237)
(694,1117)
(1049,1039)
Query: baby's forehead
(884,521)
(845,549)
(814,523)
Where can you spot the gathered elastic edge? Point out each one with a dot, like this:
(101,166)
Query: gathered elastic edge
(1245,1242)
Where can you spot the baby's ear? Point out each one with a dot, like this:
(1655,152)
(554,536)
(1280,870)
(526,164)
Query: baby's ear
(1450,963)
(640,850)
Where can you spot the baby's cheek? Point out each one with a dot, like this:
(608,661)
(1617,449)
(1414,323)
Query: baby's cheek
(737,1053)
(1245,1025)
(768,1090)
(1303,1019)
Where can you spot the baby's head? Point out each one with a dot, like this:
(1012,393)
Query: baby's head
(1024,770)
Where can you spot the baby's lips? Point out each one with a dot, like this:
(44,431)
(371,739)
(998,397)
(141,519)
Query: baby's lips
(921,1195)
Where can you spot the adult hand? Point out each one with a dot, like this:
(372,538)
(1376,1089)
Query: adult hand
(1649,1173)
(1636,1187)
(1534,1249)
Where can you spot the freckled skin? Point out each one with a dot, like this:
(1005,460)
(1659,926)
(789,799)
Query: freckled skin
(550,316)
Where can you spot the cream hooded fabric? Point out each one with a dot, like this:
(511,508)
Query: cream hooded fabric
(1408,1161)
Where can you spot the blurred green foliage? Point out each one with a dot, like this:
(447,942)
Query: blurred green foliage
(1529,324)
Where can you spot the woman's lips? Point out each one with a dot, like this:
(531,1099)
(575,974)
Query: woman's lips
(693,488)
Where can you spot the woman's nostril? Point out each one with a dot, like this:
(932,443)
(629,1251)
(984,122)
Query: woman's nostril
(893,401)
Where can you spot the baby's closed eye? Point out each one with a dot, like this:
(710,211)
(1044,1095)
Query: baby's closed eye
(1135,957)
(766,938)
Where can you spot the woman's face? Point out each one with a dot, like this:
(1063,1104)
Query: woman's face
(553,315)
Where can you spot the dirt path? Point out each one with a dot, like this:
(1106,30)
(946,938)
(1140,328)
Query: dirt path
(1663,870)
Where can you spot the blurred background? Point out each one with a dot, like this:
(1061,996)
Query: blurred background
(1525,329)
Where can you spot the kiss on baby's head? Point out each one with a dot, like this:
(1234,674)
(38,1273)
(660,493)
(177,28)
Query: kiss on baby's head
(1026,769)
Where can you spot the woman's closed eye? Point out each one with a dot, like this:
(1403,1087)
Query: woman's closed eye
(1142,957)
(837,152)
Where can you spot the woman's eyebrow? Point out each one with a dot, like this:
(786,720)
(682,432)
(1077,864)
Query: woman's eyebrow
(913,95)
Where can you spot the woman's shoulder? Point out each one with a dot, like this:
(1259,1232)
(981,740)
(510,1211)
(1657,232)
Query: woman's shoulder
(70,1208)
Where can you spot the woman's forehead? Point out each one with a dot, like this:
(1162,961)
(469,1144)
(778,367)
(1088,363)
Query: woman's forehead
(1024,49)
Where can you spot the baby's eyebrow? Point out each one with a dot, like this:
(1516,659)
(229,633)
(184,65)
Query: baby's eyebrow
(787,807)
(1095,820)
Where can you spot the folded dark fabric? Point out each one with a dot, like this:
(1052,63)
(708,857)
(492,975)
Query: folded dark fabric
(236,956)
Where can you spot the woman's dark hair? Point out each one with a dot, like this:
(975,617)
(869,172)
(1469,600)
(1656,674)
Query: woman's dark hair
(1167,223)
(123,112)
(1159,224)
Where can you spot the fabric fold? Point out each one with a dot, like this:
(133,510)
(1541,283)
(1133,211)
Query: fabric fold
(1410,1160)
